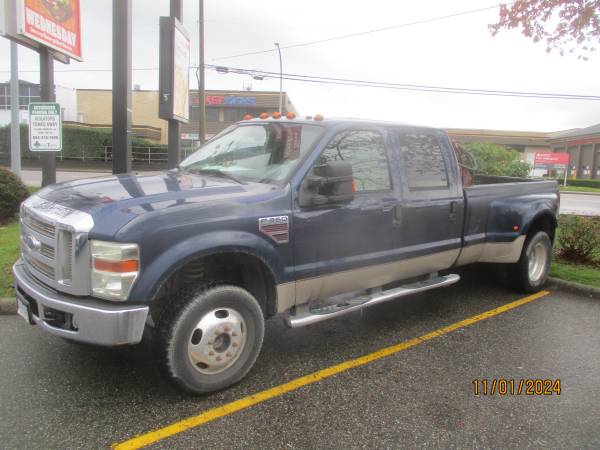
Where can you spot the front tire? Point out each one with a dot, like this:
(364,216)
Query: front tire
(210,338)
(530,273)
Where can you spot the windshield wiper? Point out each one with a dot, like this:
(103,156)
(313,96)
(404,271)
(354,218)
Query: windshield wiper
(218,173)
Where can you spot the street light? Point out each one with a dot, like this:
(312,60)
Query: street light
(280,79)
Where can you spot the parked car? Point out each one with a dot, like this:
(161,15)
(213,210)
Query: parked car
(303,219)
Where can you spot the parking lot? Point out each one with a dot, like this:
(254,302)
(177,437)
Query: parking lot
(59,395)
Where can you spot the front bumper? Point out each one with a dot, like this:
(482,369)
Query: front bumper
(81,319)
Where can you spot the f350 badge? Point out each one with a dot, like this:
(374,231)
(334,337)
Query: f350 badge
(277,228)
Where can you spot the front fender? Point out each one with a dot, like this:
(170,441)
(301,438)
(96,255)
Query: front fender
(160,269)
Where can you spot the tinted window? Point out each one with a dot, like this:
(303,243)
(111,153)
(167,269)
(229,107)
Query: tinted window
(424,162)
(365,150)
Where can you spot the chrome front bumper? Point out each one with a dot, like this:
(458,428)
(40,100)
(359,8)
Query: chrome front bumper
(81,319)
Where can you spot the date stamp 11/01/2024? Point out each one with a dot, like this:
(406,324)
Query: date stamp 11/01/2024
(511,386)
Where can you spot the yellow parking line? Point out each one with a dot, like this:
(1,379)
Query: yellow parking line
(151,437)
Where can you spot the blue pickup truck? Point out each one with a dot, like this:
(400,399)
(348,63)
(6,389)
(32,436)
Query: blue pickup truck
(306,219)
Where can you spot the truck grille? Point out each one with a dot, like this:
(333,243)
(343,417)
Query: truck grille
(39,244)
(54,245)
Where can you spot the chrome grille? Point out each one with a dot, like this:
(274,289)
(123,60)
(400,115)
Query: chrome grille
(54,245)
(39,266)
(47,251)
(46,229)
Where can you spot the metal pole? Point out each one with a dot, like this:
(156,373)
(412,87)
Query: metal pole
(121,87)
(48,159)
(174,140)
(15,132)
(201,76)
(280,79)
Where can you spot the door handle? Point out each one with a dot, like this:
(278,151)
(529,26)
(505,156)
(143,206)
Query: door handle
(452,214)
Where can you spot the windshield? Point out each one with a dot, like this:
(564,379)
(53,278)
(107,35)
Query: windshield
(266,152)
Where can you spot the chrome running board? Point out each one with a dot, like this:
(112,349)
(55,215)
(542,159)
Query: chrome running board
(304,315)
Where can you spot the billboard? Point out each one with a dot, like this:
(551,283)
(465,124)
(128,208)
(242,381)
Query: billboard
(551,161)
(49,23)
(173,75)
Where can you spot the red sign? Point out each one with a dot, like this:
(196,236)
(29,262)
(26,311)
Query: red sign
(53,23)
(553,159)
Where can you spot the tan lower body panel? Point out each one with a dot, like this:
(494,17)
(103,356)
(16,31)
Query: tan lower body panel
(492,252)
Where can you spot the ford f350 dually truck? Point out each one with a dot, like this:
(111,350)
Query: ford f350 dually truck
(308,219)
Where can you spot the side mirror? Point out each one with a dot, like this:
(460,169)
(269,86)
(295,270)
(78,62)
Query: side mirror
(329,183)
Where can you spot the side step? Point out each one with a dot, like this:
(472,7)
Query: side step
(305,316)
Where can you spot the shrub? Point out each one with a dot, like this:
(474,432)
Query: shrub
(579,238)
(494,159)
(12,193)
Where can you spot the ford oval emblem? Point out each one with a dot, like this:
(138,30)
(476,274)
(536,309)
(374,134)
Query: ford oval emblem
(33,243)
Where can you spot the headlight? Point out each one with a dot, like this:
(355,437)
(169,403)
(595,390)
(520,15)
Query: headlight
(115,267)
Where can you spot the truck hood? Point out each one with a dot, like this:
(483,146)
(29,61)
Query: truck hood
(113,201)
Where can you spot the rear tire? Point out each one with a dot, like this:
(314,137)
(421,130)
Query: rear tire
(210,337)
(530,273)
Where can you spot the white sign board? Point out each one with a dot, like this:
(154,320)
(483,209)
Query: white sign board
(45,129)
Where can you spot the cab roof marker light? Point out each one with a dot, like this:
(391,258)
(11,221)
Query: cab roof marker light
(290,115)
(318,117)
(264,115)
(276,115)
(247,117)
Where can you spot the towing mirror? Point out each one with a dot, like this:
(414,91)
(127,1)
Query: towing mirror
(329,183)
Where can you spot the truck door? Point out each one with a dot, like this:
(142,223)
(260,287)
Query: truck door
(339,247)
(431,212)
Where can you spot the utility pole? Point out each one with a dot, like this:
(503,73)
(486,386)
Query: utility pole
(121,87)
(15,132)
(173,157)
(47,94)
(280,79)
(201,74)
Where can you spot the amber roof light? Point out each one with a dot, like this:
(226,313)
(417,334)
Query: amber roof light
(247,117)
(264,115)
(290,115)
(276,115)
(318,117)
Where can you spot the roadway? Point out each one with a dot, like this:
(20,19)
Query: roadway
(60,395)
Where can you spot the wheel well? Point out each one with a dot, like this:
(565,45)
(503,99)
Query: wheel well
(544,222)
(237,268)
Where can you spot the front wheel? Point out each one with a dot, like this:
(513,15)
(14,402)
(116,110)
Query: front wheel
(530,273)
(210,338)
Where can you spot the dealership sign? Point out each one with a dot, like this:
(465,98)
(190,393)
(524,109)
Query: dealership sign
(551,161)
(229,100)
(50,23)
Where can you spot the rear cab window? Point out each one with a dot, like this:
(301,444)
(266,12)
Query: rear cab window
(425,165)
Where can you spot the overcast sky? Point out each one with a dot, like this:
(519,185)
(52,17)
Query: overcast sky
(456,52)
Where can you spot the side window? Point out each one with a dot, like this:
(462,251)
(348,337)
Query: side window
(365,150)
(424,161)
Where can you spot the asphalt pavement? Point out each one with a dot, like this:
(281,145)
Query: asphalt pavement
(59,395)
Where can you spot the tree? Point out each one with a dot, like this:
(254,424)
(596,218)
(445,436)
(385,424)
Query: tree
(565,25)
(494,159)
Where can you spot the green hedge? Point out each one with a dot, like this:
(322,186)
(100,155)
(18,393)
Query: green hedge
(75,141)
(583,182)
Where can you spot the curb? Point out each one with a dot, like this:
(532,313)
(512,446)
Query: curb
(575,288)
(579,193)
(8,306)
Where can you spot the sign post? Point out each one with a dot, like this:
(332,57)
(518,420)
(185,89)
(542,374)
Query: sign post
(45,128)
(553,161)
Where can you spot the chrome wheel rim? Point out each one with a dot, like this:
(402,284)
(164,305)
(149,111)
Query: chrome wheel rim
(538,259)
(217,341)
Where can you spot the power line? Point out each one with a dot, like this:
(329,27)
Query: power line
(402,86)
(362,33)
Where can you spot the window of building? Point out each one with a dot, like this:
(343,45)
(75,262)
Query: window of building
(424,161)
(365,150)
